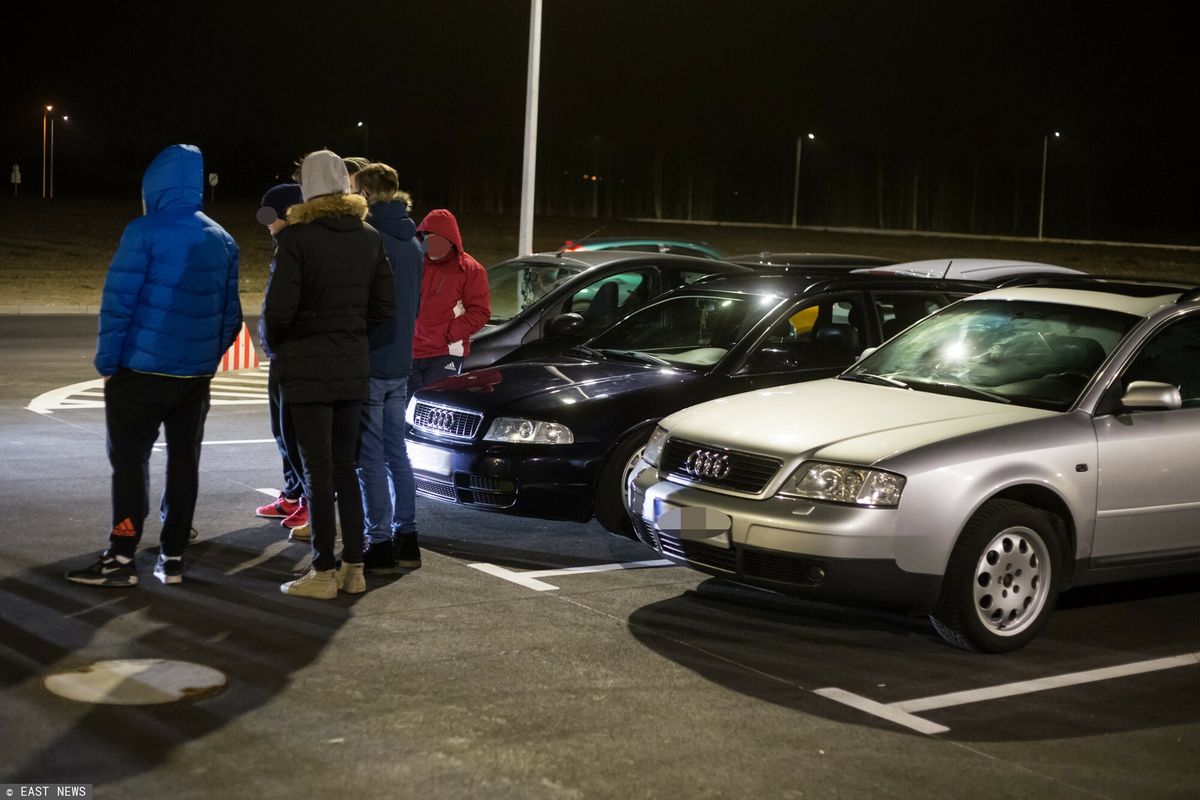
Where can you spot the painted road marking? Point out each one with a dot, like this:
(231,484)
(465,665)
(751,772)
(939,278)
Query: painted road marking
(530,579)
(902,712)
(227,389)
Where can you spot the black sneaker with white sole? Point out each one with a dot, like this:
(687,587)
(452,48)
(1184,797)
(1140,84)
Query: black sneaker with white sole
(169,570)
(109,570)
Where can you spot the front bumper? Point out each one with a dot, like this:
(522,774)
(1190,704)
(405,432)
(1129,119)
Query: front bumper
(829,552)
(548,481)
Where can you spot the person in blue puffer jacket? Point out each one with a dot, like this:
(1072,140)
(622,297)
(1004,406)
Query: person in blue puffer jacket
(169,311)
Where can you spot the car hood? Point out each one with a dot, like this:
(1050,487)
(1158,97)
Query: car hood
(547,387)
(839,420)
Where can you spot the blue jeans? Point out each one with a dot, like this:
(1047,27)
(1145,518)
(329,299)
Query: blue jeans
(384,472)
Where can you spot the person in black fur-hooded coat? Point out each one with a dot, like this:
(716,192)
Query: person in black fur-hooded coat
(332,283)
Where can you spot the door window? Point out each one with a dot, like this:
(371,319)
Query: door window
(822,335)
(898,310)
(606,300)
(1172,356)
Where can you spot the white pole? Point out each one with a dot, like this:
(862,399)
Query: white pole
(525,237)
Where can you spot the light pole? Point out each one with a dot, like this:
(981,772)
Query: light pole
(365,128)
(796,182)
(529,151)
(45,115)
(1042,194)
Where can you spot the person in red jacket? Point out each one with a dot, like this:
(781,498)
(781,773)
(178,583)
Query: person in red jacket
(455,302)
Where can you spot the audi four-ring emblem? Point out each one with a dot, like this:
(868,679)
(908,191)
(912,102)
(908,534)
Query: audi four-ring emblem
(707,464)
(440,419)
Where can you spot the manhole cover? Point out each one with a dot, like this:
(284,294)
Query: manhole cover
(135,682)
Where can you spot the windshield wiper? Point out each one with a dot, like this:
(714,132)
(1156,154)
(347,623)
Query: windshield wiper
(585,351)
(959,390)
(868,377)
(635,355)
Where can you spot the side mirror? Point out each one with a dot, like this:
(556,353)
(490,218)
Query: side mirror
(1151,396)
(865,353)
(565,324)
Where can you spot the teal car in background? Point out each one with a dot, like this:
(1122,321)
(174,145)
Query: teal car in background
(644,244)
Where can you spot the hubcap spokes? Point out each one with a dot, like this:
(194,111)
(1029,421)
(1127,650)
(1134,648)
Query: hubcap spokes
(1012,580)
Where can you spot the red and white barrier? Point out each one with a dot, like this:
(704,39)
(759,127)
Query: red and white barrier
(241,355)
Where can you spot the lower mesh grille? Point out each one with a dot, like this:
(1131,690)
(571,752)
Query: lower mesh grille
(709,556)
(444,491)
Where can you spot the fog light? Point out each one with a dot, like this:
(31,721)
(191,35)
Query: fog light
(815,574)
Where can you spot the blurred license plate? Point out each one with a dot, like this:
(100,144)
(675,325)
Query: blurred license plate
(428,459)
(694,523)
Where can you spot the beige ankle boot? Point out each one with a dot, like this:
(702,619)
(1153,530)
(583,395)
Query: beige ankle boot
(320,585)
(350,578)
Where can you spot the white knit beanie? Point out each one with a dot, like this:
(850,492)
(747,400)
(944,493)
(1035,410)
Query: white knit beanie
(323,172)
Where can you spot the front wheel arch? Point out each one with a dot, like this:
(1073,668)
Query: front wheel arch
(1003,577)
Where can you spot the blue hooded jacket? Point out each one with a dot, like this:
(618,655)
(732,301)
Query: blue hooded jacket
(392,342)
(170,304)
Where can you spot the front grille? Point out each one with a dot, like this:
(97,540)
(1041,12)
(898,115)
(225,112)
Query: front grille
(446,421)
(748,472)
(473,490)
(777,567)
(742,561)
(644,531)
(715,557)
(444,491)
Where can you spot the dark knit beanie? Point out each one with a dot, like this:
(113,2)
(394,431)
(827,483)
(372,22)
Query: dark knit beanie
(277,201)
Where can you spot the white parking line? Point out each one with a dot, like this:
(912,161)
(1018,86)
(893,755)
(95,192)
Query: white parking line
(901,712)
(530,579)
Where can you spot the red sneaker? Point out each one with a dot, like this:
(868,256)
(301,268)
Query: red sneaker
(281,508)
(299,517)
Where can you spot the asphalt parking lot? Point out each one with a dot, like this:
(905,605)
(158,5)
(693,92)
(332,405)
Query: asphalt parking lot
(528,658)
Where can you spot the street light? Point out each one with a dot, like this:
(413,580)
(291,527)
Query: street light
(1042,195)
(45,115)
(796,183)
(365,128)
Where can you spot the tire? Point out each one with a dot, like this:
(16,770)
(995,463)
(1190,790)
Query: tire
(609,503)
(1002,580)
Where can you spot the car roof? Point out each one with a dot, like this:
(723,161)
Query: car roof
(975,268)
(1128,297)
(770,259)
(592,259)
(796,281)
(610,240)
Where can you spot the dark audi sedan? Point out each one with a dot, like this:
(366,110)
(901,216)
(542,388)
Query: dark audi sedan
(556,437)
(544,303)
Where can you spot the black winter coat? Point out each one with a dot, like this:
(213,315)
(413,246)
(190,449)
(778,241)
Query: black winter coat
(331,284)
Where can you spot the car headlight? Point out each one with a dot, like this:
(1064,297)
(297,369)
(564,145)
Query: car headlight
(410,410)
(653,451)
(528,431)
(836,483)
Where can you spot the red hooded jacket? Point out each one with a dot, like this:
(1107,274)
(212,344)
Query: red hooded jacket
(445,284)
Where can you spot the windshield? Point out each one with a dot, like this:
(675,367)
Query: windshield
(1030,354)
(694,330)
(516,285)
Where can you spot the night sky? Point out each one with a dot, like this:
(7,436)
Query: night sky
(958,95)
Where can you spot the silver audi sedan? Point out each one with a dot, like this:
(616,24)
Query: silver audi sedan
(1016,443)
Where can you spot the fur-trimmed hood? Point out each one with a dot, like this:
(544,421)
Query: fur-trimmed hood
(325,206)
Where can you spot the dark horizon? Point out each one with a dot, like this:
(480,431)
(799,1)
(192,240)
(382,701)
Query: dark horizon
(930,117)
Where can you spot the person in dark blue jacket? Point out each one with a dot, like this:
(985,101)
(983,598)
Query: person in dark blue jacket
(384,471)
(169,311)
(290,507)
